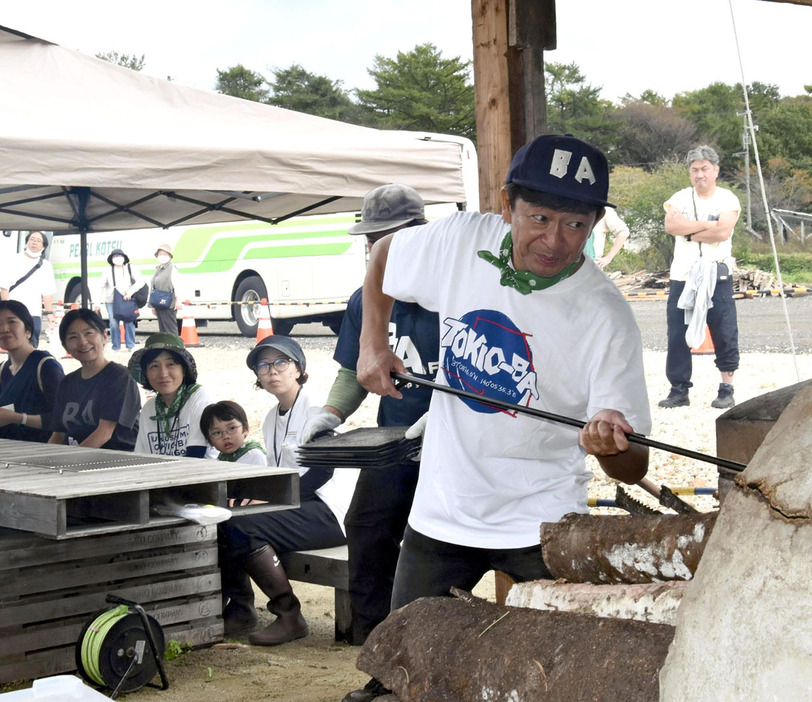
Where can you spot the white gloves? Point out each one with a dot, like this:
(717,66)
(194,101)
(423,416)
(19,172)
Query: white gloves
(318,420)
(416,430)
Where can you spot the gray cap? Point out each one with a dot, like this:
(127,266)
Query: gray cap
(388,207)
(285,344)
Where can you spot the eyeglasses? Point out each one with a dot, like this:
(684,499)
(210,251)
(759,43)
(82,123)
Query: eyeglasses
(228,431)
(279,365)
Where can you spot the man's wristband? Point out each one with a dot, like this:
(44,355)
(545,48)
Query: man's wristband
(689,237)
(24,420)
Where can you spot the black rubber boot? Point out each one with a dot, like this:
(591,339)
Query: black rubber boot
(676,398)
(372,690)
(725,397)
(266,570)
(239,615)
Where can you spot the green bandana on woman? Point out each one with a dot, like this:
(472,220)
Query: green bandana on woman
(240,452)
(165,415)
(524,281)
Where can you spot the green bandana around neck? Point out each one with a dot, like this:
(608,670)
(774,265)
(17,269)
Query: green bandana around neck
(524,281)
(165,415)
(240,452)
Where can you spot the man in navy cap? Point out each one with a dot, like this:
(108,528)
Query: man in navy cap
(525,318)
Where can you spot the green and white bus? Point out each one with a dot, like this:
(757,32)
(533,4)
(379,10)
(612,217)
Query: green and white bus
(306,267)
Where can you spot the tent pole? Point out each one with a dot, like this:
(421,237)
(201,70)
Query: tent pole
(83,259)
(78,199)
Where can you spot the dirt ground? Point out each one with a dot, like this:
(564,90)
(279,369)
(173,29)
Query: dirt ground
(313,669)
(317,669)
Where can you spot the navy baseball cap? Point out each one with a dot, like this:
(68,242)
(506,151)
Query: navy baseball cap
(562,165)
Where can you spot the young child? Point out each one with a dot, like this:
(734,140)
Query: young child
(225,425)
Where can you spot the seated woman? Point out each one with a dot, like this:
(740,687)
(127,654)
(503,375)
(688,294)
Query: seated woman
(98,404)
(251,544)
(170,421)
(29,378)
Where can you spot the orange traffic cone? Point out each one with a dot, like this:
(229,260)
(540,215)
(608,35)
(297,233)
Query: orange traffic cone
(59,312)
(121,332)
(264,326)
(188,330)
(706,347)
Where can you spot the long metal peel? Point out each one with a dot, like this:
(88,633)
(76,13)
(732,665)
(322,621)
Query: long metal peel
(633,437)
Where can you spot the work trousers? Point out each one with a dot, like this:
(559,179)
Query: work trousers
(313,525)
(167,320)
(430,568)
(375,523)
(724,331)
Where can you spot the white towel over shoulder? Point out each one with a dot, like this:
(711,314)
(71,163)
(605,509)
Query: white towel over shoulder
(696,299)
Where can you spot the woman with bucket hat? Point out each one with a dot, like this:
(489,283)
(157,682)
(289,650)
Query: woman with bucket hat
(163,291)
(251,544)
(118,278)
(170,421)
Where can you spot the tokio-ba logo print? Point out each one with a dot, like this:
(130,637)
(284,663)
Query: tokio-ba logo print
(484,352)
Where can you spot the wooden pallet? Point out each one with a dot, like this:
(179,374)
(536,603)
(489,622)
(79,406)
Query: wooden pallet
(67,492)
(50,589)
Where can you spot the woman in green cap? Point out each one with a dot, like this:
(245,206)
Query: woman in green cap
(170,421)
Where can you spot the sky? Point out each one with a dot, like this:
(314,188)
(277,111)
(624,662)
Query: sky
(622,46)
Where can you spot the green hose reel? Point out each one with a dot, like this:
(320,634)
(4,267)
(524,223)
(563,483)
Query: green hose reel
(121,648)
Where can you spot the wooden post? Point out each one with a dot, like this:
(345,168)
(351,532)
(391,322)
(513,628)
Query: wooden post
(509,41)
(531,31)
(492,99)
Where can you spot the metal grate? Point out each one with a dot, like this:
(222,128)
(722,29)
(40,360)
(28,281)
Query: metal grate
(67,461)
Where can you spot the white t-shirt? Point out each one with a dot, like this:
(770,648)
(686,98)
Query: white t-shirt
(281,435)
(31,290)
(686,252)
(489,478)
(185,432)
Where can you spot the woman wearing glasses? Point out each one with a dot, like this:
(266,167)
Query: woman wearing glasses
(170,421)
(253,543)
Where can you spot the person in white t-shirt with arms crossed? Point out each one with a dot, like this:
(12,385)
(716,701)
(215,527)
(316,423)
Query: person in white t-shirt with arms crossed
(701,219)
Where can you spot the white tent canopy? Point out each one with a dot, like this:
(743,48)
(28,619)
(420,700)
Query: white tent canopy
(86,145)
